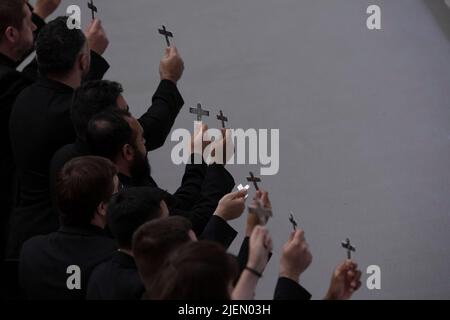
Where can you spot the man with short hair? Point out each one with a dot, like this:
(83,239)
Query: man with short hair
(40,121)
(94,97)
(117,278)
(17,24)
(85,187)
(155,240)
(120,138)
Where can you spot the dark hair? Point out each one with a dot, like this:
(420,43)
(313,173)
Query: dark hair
(57,47)
(108,132)
(131,208)
(82,185)
(11,15)
(155,240)
(91,98)
(197,271)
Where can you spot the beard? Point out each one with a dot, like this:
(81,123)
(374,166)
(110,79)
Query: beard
(140,170)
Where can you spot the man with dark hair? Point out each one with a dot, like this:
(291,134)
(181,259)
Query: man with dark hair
(40,121)
(94,97)
(155,240)
(17,24)
(98,96)
(202,186)
(58,265)
(117,278)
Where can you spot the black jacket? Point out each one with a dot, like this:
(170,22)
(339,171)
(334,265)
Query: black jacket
(118,277)
(201,189)
(44,261)
(288,289)
(40,124)
(218,230)
(217,183)
(12,82)
(197,198)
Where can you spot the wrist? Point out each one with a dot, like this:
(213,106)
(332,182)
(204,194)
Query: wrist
(43,14)
(294,276)
(249,229)
(169,78)
(219,213)
(98,51)
(253,271)
(255,266)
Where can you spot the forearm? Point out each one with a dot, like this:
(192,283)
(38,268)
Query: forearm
(160,117)
(191,186)
(246,286)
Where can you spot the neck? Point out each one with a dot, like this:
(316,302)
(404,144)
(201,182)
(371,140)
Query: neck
(72,79)
(98,222)
(123,168)
(10,53)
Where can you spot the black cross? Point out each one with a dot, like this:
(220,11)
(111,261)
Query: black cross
(93,8)
(346,245)
(292,220)
(222,118)
(254,179)
(166,34)
(199,112)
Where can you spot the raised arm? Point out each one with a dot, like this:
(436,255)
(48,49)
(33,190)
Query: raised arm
(166,102)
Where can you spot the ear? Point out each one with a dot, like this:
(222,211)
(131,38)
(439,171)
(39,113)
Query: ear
(128,152)
(102,209)
(163,209)
(12,34)
(83,62)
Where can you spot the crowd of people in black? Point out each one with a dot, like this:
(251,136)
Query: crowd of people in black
(82,217)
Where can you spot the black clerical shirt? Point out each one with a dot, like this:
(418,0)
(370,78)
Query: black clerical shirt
(39,125)
(44,261)
(12,82)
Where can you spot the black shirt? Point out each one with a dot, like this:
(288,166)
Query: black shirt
(116,279)
(40,124)
(12,82)
(44,261)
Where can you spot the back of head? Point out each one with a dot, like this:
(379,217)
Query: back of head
(58,47)
(131,208)
(82,185)
(197,271)
(11,15)
(155,240)
(91,98)
(108,132)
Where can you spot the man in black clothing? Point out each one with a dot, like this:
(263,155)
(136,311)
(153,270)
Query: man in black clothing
(46,264)
(120,138)
(40,121)
(94,97)
(118,278)
(17,24)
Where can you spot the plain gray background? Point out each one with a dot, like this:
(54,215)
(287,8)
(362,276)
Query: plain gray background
(364,119)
